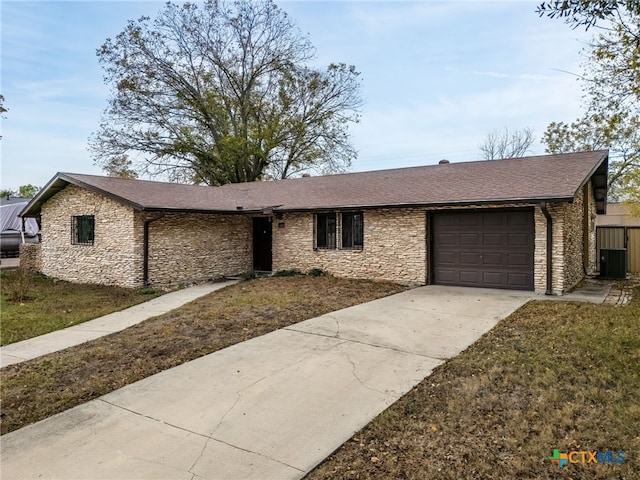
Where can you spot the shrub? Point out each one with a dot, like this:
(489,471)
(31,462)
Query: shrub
(250,275)
(316,272)
(287,273)
(17,286)
(148,290)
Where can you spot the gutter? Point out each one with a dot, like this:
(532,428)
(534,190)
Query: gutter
(22,227)
(145,247)
(545,211)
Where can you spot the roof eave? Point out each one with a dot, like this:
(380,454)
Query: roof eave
(53,186)
(598,176)
(201,210)
(462,203)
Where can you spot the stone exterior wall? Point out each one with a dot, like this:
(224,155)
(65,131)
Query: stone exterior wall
(183,248)
(113,259)
(394,248)
(574,224)
(557,211)
(396,245)
(592,217)
(190,248)
(569,249)
(31,257)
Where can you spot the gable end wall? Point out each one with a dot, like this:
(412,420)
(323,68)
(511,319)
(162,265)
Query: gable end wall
(113,259)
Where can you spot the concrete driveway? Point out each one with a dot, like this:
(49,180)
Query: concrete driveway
(271,407)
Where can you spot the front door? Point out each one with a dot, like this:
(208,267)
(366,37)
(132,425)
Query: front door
(262,244)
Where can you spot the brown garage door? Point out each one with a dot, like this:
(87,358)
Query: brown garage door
(491,249)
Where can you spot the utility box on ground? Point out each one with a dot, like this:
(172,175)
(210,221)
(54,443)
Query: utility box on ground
(613,263)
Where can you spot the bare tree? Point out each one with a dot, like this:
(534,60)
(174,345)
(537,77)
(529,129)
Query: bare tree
(507,143)
(222,92)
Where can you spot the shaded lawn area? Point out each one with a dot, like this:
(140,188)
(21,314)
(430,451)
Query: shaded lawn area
(553,375)
(50,305)
(41,387)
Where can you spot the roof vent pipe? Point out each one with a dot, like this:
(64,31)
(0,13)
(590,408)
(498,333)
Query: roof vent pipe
(444,161)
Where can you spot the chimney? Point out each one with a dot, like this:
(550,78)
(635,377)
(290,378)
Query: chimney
(444,161)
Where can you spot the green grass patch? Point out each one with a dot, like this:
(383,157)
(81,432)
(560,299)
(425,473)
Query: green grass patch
(554,375)
(33,304)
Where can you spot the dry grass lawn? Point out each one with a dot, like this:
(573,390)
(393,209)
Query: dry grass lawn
(32,304)
(553,375)
(39,388)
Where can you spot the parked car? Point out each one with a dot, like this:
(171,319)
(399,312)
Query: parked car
(11,234)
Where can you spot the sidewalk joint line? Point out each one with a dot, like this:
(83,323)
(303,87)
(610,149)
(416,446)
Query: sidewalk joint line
(207,437)
(385,347)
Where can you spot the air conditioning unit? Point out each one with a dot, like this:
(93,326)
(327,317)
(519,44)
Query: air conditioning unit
(613,263)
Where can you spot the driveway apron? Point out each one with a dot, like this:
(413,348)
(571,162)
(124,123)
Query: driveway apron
(271,407)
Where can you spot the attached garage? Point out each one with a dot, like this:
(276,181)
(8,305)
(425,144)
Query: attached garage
(519,223)
(489,248)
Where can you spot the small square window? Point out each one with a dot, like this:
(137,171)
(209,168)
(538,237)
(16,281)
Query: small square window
(326,230)
(82,229)
(352,230)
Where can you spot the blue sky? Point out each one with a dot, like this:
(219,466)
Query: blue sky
(437,76)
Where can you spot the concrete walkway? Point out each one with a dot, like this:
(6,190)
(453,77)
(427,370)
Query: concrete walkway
(591,290)
(9,263)
(114,322)
(271,407)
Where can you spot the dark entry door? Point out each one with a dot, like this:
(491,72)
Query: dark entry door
(262,243)
(491,249)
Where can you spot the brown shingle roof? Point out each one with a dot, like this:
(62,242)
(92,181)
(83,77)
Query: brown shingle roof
(547,177)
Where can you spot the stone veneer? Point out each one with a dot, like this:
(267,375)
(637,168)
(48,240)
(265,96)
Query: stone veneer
(592,216)
(183,248)
(187,248)
(394,248)
(114,258)
(574,267)
(568,250)
(396,244)
(30,257)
